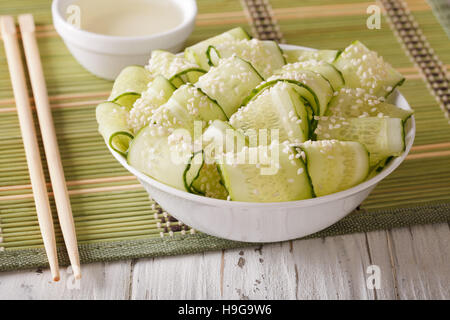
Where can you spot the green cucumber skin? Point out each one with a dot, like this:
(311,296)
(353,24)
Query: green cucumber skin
(339,72)
(189,186)
(208,55)
(281,52)
(252,67)
(215,101)
(398,84)
(305,163)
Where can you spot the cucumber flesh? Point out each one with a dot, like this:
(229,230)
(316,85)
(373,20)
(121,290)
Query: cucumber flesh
(173,67)
(173,115)
(265,56)
(187,105)
(113,126)
(158,92)
(161,154)
(198,104)
(280,108)
(363,68)
(230,83)
(197,53)
(209,182)
(383,137)
(300,55)
(352,103)
(307,95)
(219,138)
(315,81)
(132,79)
(325,69)
(335,165)
(278,177)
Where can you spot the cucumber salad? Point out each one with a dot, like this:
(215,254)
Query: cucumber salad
(240,119)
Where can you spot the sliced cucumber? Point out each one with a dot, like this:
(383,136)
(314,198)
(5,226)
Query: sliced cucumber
(265,56)
(173,67)
(158,92)
(113,126)
(335,165)
(161,154)
(230,83)
(383,137)
(187,105)
(197,53)
(187,76)
(279,110)
(279,176)
(127,99)
(300,55)
(313,80)
(305,92)
(192,171)
(173,115)
(327,70)
(209,182)
(378,167)
(132,79)
(218,139)
(198,104)
(363,68)
(352,103)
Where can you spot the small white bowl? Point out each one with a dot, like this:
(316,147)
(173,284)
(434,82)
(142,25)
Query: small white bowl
(268,222)
(105,56)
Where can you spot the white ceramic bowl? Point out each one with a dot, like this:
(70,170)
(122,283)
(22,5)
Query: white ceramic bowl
(105,56)
(267,222)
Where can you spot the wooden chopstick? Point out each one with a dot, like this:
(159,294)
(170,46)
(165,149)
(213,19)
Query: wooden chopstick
(16,71)
(36,74)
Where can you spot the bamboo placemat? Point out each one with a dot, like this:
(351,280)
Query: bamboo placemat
(115,218)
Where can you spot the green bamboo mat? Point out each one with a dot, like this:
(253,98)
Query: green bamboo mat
(115,218)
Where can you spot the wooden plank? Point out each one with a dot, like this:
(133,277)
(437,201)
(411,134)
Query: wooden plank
(100,281)
(194,276)
(332,268)
(265,272)
(379,253)
(413,263)
(421,256)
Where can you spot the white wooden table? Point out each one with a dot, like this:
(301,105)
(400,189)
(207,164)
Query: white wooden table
(414,263)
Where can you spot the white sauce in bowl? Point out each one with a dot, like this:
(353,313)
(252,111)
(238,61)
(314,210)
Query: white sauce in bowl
(128,18)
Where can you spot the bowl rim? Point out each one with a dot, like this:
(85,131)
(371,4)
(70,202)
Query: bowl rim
(56,13)
(283,204)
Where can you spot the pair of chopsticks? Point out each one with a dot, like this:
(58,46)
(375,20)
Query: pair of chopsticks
(38,183)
